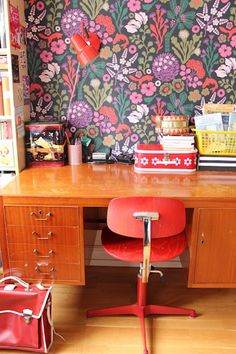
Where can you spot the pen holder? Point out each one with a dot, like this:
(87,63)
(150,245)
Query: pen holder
(74,154)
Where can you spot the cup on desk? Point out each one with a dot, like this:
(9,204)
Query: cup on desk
(74,154)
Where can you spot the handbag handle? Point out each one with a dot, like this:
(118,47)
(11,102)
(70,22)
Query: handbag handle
(20,281)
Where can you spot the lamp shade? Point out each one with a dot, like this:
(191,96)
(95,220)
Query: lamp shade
(86,48)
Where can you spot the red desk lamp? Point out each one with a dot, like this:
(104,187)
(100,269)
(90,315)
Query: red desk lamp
(86,46)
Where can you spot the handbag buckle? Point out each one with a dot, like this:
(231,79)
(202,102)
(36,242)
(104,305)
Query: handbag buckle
(27,314)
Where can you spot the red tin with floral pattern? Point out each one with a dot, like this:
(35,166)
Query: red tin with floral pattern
(150,158)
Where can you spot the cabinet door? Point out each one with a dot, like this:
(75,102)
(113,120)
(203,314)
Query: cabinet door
(215,261)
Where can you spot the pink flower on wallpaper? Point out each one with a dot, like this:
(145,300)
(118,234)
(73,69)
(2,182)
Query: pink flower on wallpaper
(134,5)
(40,5)
(225,51)
(47,97)
(46,56)
(190,76)
(233,41)
(58,47)
(148,89)
(195,29)
(135,97)
(221,93)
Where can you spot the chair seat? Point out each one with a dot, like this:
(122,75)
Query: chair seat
(131,249)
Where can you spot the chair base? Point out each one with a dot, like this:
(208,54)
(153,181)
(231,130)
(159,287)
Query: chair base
(141,310)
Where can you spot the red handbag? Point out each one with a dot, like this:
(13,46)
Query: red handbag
(25,316)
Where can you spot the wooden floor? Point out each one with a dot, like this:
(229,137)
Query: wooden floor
(212,332)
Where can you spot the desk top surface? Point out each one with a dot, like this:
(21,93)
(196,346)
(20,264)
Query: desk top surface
(96,184)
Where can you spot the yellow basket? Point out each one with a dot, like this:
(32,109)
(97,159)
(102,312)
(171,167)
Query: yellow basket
(216,142)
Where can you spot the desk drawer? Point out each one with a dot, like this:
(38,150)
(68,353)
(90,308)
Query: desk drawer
(42,215)
(37,235)
(48,272)
(30,253)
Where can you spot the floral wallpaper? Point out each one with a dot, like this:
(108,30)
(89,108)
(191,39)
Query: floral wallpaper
(156,57)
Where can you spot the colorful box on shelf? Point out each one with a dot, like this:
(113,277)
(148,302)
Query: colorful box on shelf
(151,158)
(45,144)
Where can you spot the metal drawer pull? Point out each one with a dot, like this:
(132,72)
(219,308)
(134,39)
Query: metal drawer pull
(50,234)
(52,270)
(50,253)
(38,218)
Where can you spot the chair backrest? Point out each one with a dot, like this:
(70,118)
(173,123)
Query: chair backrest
(171,211)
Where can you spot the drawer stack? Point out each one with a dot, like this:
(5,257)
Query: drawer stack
(45,243)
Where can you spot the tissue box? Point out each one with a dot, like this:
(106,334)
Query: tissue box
(149,158)
(45,144)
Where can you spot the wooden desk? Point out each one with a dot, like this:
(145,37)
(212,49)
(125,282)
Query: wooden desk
(43,210)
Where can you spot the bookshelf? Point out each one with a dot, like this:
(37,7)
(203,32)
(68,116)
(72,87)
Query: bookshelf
(14,86)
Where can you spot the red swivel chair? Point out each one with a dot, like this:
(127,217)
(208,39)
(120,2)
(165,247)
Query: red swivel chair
(144,229)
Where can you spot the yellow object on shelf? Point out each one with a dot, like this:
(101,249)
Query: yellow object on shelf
(216,142)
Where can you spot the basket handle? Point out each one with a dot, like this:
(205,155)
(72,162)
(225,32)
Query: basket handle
(18,280)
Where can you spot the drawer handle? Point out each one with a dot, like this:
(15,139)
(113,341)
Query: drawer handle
(37,269)
(50,253)
(38,218)
(50,234)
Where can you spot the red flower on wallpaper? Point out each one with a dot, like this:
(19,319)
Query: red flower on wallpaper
(197,66)
(110,113)
(106,21)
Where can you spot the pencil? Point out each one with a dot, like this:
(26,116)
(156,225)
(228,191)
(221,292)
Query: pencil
(67,138)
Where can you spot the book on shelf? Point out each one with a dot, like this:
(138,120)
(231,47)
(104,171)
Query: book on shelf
(3,62)
(5,130)
(1,100)
(217,163)
(6,154)
(6,96)
(2,27)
